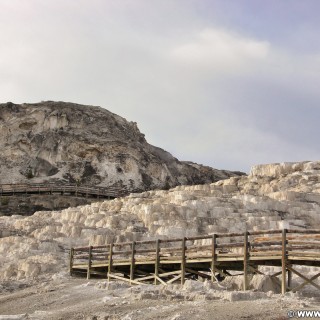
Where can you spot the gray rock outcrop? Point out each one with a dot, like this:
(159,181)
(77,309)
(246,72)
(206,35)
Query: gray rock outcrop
(71,143)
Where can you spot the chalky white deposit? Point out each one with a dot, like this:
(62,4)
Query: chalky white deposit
(271,197)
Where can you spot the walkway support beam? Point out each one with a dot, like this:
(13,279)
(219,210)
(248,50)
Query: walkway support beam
(89,262)
(284,262)
(183,261)
(132,264)
(157,262)
(245,261)
(214,257)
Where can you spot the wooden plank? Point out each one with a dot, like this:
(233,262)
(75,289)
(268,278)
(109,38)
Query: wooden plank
(145,278)
(174,279)
(98,247)
(304,258)
(229,255)
(161,281)
(305,253)
(276,274)
(265,258)
(265,243)
(300,242)
(303,247)
(147,241)
(305,231)
(81,249)
(199,237)
(284,262)
(255,270)
(126,279)
(171,240)
(169,273)
(264,253)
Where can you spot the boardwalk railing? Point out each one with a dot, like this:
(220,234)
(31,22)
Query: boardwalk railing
(210,256)
(68,189)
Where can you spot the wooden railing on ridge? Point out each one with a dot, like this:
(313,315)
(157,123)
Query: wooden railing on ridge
(65,189)
(162,261)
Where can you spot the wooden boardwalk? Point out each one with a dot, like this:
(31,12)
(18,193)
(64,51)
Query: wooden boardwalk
(211,256)
(62,189)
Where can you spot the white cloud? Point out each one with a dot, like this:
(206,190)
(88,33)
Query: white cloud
(210,94)
(218,49)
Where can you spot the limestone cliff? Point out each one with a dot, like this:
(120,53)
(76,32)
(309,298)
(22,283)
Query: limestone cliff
(65,142)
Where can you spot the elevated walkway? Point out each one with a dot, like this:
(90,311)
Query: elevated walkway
(63,189)
(210,256)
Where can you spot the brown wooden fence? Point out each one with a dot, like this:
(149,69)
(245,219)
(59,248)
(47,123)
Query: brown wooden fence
(63,189)
(210,256)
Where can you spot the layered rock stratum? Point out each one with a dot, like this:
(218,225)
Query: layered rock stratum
(271,197)
(70,143)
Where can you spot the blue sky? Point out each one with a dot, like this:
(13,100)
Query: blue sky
(228,83)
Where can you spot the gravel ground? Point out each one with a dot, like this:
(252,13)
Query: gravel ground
(94,300)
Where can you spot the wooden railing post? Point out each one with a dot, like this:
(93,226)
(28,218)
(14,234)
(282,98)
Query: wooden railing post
(89,263)
(245,261)
(284,262)
(213,261)
(71,260)
(132,262)
(157,262)
(110,262)
(183,261)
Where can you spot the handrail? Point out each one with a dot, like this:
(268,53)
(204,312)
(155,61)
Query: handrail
(241,252)
(113,191)
(255,245)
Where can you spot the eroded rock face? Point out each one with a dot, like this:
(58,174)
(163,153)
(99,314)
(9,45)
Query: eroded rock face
(26,205)
(259,201)
(57,141)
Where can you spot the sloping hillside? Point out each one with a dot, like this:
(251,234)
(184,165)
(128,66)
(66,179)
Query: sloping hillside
(71,143)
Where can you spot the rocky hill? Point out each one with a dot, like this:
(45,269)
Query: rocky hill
(71,143)
(271,197)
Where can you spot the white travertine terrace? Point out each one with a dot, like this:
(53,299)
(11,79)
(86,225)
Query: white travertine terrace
(271,197)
